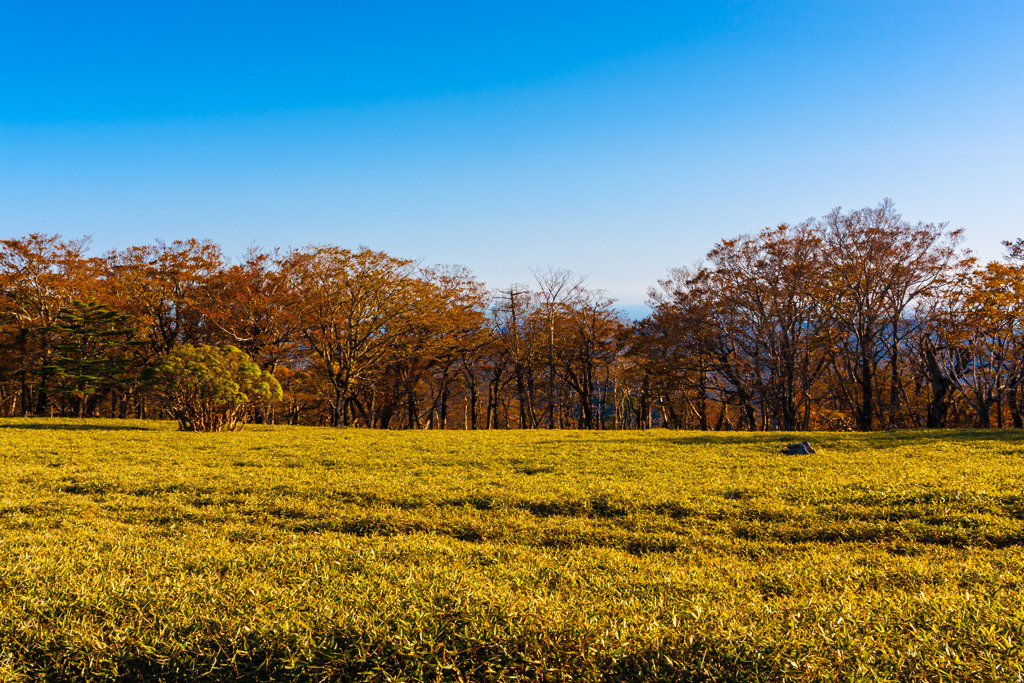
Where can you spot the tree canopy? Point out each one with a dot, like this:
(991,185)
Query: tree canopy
(856,320)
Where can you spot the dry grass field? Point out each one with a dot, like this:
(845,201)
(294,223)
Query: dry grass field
(130,551)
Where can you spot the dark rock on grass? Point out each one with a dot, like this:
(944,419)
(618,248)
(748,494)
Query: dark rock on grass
(803,448)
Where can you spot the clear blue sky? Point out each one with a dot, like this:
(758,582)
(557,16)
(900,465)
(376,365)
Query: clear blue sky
(614,139)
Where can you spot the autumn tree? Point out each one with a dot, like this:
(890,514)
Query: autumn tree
(859,318)
(557,290)
(984,354)
(674,352)
(513,318)
(588,343)
(769,308)
(164,287)
(456,327)
(353,310)
(930,351)
(246,305)
(40,275)
(875,266)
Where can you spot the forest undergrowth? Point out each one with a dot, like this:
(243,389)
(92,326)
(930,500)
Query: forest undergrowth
(132,551)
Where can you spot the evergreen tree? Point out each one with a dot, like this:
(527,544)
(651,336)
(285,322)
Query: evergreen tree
(91,356)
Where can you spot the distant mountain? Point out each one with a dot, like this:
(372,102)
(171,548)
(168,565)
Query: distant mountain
(633,311)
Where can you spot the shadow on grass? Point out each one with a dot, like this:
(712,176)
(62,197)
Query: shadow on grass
(846,440)
(729,438)
(66,427)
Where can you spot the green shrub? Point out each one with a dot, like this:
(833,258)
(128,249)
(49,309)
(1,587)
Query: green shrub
(209,389)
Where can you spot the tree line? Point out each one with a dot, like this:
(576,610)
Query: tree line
(856,320)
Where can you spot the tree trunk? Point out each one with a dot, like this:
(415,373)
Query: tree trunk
(940,386)
(443,418)
(894,388)
(984,413)
(338,414)
(472,401)
(1016,416)
(866,410)
(413,408)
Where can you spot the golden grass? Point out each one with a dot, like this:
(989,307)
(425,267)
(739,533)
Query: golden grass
(131,551)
